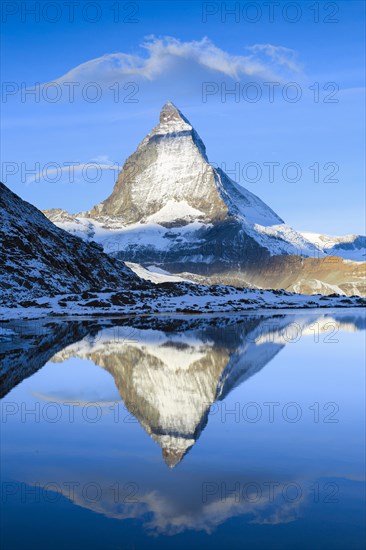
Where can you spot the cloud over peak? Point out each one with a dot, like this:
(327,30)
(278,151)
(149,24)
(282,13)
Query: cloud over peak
(161,56)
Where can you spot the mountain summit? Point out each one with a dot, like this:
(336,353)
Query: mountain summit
(168,174)
(169,181)
(172,118)
(171,209)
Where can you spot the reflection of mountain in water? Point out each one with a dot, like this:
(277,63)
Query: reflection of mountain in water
(169,380)
(169,372)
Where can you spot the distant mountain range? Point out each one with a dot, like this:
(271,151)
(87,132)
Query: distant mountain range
(349,247)
(170,209)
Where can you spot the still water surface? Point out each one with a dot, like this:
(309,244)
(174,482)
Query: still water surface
(170,433)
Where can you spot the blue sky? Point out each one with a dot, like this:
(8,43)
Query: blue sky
(179,51)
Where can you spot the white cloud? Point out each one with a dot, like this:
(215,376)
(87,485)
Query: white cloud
(278,54)
(69,171)
(163,55)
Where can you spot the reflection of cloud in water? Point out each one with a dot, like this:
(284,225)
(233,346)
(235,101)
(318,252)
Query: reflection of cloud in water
(173,510)
(62,399)
(201,503)
(168,515)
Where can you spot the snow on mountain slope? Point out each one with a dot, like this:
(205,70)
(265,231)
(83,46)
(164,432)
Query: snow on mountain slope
(349,247)
(173,211)
(78,226)
(261,223)
(154,274)
(245,204)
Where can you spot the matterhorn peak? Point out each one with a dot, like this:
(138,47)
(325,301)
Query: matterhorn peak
(167,179)
(169,112)
(172,121)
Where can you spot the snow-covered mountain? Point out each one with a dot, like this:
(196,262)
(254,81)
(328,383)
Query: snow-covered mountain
(172,209)
(349,247)
(47,271)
